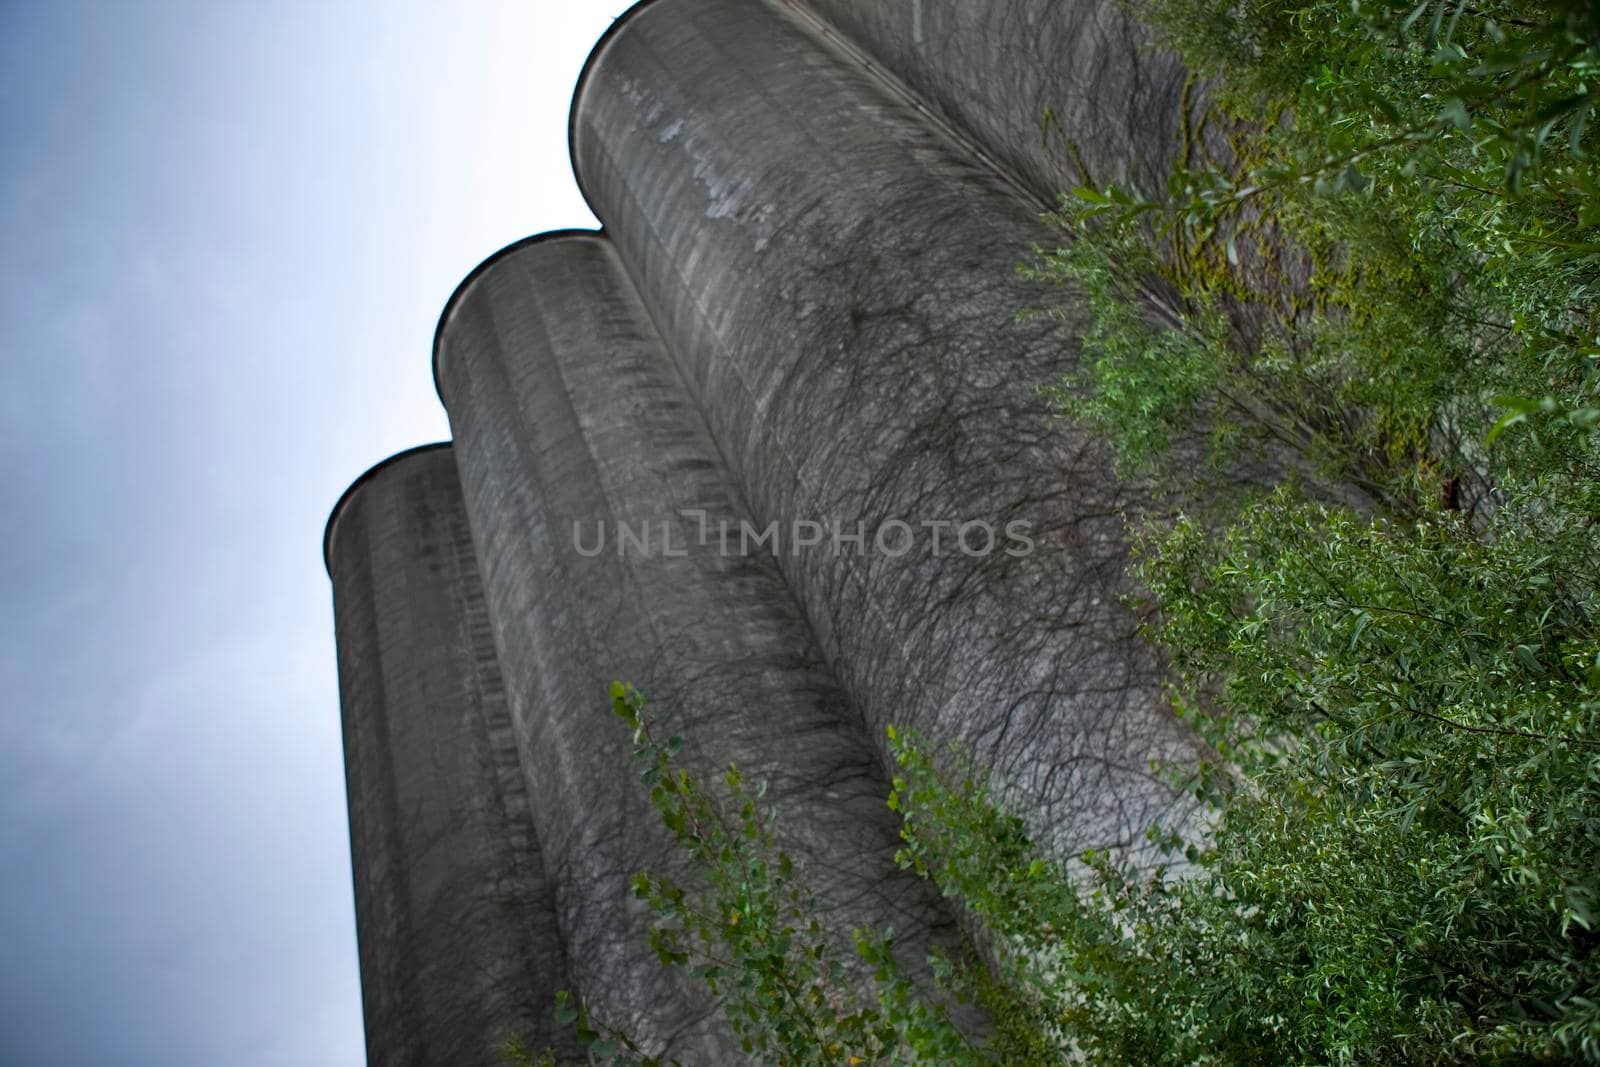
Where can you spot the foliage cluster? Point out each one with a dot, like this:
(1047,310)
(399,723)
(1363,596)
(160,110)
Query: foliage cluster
(1407,249)
(1386,292)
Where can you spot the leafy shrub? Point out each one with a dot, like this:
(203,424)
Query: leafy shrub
(1388,290)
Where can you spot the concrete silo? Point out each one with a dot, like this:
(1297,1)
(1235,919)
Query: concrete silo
(454,916)
(834,277)
(597,501)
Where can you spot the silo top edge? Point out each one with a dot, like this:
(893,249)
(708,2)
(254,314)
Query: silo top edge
(349,494)
(478,272)
(618,24)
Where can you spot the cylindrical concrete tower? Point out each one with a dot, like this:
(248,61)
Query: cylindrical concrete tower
(456,924)
(834,278)
(1059,94)
(598,503)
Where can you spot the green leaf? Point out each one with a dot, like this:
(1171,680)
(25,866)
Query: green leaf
(1580,119)
(1519,409)
(1416,13)
(1454,113)
(1362,619)
(1516,167)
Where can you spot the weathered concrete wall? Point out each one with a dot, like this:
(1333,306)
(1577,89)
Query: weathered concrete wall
(569,420)
(455,920)
(834,278)
(1059,92)
(800,315)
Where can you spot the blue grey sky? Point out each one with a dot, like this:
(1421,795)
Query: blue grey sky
(226,232)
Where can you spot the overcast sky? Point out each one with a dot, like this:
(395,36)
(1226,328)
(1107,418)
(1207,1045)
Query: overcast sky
(226,232)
